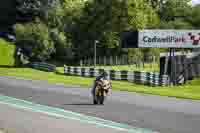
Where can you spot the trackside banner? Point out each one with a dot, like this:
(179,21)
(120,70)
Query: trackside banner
(169,39)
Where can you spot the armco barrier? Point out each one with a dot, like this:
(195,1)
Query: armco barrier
(43,66)
(145,78)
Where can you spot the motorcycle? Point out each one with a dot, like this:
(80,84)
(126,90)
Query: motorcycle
(103,87)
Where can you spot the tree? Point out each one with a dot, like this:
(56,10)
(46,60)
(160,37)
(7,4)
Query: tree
(173,9)
(131,14)
(103,20)
(93,24)
(62,45)
(156,3)
(7,15)
(137,15)
(177,24)
(194,17)
(61,20)
(28,10)
(55,16)
(35,41)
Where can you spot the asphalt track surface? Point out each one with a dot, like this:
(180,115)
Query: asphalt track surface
(23,121)
(161,114)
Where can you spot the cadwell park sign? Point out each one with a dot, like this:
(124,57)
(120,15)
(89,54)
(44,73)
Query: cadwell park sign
(179,68)
(161,39)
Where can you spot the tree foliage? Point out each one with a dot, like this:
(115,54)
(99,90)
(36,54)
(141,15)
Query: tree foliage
(173,9)
(7,14)
(194,17)
(35,39)
(27,10)
(70,27)
(132,14)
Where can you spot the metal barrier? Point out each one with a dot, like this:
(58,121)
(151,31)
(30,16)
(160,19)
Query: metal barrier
(43,66)
(145,78)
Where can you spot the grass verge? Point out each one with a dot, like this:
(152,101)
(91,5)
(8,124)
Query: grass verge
(189,91)
(6,53)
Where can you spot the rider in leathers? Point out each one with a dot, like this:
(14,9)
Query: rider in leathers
(103,76)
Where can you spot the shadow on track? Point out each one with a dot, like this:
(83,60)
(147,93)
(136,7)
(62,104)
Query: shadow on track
(81,104)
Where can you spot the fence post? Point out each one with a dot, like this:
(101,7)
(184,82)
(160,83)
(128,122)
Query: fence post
(126,58)
(99,60)
(110,60)
(143,63)
(121,62)
(90,61)
(122,59)
(133,60)
(81,62)
(116,63)
(104,60)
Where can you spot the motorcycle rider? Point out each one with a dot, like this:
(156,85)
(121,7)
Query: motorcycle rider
(103,76)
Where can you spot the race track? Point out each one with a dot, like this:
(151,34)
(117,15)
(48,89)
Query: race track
(161,114)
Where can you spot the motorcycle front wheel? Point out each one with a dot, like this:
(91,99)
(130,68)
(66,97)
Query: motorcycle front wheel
(95,101)
(100,99)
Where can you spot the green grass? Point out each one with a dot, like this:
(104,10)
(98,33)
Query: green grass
(6,53)
(189,91)
(147,67)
